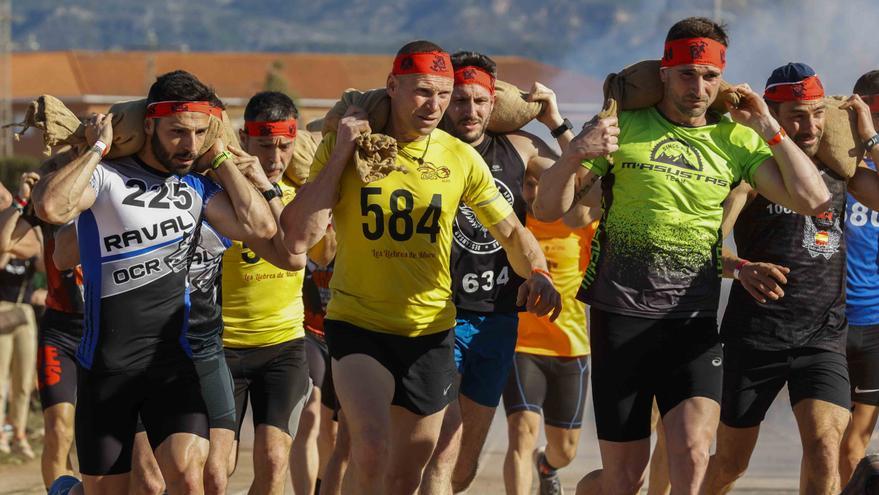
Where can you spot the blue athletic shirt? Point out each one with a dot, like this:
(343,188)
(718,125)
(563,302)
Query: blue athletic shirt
(135,246)
(862,239)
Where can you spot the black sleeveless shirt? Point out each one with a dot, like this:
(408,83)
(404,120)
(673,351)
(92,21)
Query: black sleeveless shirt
(812,312)
(482,277)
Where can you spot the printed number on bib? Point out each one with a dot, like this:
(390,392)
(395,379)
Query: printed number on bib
(473,282)
(778,209)
(399,223)
(176,195)
(861,213)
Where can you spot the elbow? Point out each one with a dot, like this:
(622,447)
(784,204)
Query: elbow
(817,206)
(545,214)
(47,212)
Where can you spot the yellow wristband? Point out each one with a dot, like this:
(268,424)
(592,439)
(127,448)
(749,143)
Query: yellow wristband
(220,158)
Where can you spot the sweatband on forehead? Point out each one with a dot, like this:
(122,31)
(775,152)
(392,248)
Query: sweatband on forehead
(276,128)
(471,74)
(809,88)
(430,63)
(698,51)
(165,108)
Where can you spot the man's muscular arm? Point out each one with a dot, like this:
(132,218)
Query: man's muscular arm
(65,193)
(537,293)
(566,182)
(306,218)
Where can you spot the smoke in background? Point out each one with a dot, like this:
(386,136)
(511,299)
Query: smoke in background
(838,38)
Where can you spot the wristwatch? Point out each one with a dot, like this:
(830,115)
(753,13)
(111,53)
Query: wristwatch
(872,142)
(565,127)
(274,192)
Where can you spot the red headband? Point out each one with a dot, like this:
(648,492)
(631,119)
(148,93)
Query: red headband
(699,51)
(433,63)
(166,108)
(276,128)
(809,88)
(474,75)
(873,101)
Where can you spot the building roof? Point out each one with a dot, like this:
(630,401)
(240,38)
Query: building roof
(80,74)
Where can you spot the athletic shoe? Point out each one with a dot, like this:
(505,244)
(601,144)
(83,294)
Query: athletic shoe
(865,479)
(62,485)
(550,484)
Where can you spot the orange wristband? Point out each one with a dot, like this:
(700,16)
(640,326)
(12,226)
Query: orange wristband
(777,138)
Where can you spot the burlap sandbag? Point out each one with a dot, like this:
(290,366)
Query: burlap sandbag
(61,127)
(375,157)
(639,86)
(841,148)
(375,102)
(304,147)
(50,115)
(129,138)
(511,110)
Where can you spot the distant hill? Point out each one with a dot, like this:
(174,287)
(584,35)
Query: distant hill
(589,36)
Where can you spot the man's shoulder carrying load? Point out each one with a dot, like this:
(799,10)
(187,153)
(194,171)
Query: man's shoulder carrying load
(375,156)
(61,127)
(304,148)
(841,149)
(639,86)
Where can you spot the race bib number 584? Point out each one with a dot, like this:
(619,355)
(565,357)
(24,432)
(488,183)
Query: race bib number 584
(399,224)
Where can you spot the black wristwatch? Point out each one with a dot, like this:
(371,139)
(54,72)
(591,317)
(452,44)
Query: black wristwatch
(274,192)
(565,127)
(873,141)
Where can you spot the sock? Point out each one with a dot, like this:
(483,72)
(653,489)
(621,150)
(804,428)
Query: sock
(544,467)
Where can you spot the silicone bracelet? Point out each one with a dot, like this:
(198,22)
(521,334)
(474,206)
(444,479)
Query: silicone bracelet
(220,158)
(100,148)
(777,138)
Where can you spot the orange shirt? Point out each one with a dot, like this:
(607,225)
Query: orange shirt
(567,255)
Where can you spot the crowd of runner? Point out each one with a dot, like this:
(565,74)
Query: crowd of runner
(374,328)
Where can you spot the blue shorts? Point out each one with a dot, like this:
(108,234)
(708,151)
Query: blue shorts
(484,347)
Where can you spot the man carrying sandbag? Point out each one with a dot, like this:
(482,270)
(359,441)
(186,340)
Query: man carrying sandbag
(862,290)
(484,283)
(390,319)
(653,283)
(264,336)
(795,335)
(136,219)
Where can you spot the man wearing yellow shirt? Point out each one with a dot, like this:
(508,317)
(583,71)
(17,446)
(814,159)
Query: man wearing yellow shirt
(263,336)
(550,372)
(389,319)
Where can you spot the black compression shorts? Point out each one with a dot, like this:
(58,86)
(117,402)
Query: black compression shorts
(168,400)
(553,385)
(635,360)
(275,379)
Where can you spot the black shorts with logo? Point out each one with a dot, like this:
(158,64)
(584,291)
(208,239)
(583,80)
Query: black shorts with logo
(423,367)
(168,400)
(553,385)
(752,379)
(275,379)
(862,351)
(58,337)
(635,360)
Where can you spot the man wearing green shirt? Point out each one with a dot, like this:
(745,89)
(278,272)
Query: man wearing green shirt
(653,282)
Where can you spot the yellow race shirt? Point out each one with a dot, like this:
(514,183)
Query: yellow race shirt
(567,255)
(395,235)
(262,304)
